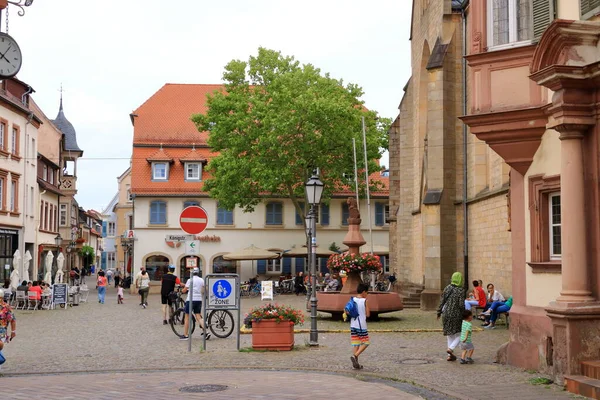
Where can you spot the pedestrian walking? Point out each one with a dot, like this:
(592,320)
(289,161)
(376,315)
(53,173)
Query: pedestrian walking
(120,294)
(466,338)
(101,284)
(167,286)
(109,275)
(117,277)
(144,287)
(451,309)
(359,335)
(7,317)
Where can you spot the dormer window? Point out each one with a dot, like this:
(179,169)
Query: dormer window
(160,171)
(193,171)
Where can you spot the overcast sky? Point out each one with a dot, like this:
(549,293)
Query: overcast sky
(112,55)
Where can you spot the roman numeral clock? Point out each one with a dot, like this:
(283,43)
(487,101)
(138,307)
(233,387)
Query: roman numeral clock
(10,56)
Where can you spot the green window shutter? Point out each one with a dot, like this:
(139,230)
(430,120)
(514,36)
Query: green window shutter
(587,6)
(543,15)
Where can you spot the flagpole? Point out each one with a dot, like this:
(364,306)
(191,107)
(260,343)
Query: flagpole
(355,173)
(367,183)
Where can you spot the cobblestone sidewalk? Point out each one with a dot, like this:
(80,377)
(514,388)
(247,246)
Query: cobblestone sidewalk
(96,338)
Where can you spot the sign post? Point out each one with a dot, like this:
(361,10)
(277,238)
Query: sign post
(193,221)
(60,294)
(222,292)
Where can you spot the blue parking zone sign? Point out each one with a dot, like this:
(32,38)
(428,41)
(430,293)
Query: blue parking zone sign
(222,292)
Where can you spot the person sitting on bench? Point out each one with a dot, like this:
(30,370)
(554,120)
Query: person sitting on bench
(497,308)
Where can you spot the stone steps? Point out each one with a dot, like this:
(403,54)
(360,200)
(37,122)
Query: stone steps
(588,384)
(411,295)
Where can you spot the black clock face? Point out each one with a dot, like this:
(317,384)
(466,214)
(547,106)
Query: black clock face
(10,56)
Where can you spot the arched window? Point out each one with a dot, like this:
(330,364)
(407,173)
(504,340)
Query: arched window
(157,266)
(184,271)
(222,266)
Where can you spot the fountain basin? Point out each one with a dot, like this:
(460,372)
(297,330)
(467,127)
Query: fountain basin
(379,303)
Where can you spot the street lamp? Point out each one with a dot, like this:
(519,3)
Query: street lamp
(314,191)
(58,240)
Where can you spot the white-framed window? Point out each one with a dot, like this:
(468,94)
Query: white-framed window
(14,143)
(509,23)
(13,196)
(129,198)
(63,215)
(160,171)
(274,266)
(45,173)
(193,171)
(112,229)
(111,260)
(51,176)
(2,133)
(554,224)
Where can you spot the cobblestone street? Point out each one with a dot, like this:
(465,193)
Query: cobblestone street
(109,338)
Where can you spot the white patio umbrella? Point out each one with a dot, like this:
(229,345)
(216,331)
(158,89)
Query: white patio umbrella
(26,259)
(60,260)
(48,263)
(251,253)
(14,279)
(17,260)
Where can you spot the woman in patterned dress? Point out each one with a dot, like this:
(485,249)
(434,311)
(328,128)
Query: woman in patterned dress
(451,307)
(6,317)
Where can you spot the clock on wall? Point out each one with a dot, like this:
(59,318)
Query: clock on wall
(10,56)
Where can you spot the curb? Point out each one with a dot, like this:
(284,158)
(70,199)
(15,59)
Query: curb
(247,331)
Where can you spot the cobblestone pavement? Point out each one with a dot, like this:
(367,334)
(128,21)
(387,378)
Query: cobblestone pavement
(97,338)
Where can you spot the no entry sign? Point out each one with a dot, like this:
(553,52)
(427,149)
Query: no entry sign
(193,220)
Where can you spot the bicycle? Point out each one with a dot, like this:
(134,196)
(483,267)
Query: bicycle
(220,322)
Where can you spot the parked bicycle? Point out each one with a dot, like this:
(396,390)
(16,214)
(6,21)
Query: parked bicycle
(220,322)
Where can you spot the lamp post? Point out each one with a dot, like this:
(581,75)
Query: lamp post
(314,190)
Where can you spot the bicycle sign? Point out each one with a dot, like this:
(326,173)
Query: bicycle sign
(222,292)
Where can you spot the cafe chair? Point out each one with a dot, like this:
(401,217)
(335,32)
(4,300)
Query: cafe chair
(32,302)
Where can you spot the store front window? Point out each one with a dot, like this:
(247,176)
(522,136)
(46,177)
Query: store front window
(222,266)
(157,266)
(184,271)
(8,245)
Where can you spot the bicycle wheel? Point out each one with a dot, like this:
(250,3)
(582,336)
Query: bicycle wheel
(178,320)
(221,323)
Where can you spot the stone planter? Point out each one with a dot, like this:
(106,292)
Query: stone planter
(270,335)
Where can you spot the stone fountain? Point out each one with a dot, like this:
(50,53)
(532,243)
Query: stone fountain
(334,302)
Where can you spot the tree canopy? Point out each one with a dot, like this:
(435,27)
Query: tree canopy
(275,122)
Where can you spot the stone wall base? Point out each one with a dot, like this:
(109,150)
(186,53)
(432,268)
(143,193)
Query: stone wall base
(530,345)
(430,299)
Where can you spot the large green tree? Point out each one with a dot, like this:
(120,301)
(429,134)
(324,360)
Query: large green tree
(275,122)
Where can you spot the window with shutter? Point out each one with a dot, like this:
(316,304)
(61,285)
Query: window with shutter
(509,23)
(299,265)
(543,15)
(298,216)
(287,265)
(589,8)
(324,214)
(261,267)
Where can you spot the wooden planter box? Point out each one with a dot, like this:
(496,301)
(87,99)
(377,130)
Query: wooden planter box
(270,335)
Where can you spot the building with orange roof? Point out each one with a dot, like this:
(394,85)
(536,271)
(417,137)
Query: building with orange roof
(168,171)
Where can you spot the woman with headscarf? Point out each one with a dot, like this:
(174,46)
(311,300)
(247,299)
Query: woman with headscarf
(451,309)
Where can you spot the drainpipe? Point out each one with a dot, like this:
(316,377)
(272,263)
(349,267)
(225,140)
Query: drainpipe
(463,7)
(26,195)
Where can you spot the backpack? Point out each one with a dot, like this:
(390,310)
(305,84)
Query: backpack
(72,274)
(351,308)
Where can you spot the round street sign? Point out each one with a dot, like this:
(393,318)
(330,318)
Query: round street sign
(193,220)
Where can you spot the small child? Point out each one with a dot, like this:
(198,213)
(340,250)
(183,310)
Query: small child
(120,293)
(466,336)
(359,335)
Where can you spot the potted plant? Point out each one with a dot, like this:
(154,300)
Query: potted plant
(273,326)
(353,265)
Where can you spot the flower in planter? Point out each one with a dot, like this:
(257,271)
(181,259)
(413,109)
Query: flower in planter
(354,262)
(275,312)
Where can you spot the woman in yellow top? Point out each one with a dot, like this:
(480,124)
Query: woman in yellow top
(101,286)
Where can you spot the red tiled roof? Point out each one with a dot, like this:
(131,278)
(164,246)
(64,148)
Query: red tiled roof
(160,155)
(141,173)
(165,116)
(193,155)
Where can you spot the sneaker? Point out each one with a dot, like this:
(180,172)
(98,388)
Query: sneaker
(470,360)
(488,312)
(184,338)
(165,322)
(462,361)
(490,327)
(207,335)
(355,363)
(143,305)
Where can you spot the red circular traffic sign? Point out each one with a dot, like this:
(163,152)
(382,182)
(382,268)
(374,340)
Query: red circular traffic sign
(193,220)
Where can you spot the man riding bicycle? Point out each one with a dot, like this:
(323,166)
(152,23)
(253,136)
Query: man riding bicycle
(194,300)
(168,283)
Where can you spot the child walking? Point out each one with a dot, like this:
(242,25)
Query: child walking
(120,293)
(359,335)
(466,336)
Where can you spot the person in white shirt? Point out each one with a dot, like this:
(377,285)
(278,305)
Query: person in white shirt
(196,302)
(492,296)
